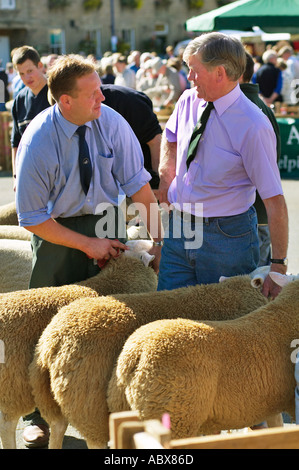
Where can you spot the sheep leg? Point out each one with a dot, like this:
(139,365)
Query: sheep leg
(275,420)
(58,429)
(8,431)
(93,445)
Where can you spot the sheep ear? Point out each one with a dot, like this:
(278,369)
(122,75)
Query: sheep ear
(281,279)
(223,278)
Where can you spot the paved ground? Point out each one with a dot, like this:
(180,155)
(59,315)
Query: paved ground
(73,440)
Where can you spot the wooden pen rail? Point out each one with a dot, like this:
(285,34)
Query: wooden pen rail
(128,432)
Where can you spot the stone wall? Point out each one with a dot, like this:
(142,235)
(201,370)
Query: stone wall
(32,21)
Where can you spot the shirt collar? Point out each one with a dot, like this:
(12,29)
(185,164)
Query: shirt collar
(67,127)
(227,100)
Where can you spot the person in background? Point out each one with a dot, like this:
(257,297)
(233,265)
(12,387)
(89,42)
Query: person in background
(4,98)
(166,86)
(269,78)
(134,61)
(32,99)
(107,72)
(123,75)
(288,94)
(211,183)
(290,73)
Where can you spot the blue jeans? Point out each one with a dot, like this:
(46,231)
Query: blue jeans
(265,245)
(224,246)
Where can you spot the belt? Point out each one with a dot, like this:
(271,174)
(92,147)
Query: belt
(195,218)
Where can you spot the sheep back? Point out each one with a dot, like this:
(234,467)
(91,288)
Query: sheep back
(23,317)
(81,344)
(214,375)
(15,266)
(8,214)
(123,275)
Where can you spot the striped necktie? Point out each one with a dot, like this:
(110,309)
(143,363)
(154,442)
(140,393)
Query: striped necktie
(84,160)
(197,133)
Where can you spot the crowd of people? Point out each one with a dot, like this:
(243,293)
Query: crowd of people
(277,74)
(211,183)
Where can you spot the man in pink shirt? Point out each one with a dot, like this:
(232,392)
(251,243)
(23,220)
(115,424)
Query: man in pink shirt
(213,224)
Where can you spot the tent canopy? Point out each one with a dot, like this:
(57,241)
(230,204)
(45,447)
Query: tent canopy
(270,15)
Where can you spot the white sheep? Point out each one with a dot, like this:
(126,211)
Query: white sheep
(8,214)
(14,232)
(15,266)
(16,260)
(25,314)
(211,376)
(77,351)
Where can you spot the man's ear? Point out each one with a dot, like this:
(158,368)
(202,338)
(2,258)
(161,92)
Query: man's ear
(221,74)
(65,100)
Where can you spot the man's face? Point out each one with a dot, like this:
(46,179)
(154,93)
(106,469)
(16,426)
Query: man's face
(87,99)
(30,74)
(205,80)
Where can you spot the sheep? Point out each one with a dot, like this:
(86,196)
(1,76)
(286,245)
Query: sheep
(8,214)
(16,261)
(15,266)
(211,376)
(76,353)
(14,232)
(25,314)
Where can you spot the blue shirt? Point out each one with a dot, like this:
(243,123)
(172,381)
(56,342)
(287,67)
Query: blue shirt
(48,180)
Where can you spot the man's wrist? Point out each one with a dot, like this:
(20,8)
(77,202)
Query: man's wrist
(158,243)
(283,261)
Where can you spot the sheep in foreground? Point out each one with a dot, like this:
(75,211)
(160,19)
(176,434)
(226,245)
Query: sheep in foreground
(215,375)
(16,258)
(77,351)
(25,314)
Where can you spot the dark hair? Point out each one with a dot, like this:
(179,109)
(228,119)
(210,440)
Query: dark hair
(21,54)
(249,68)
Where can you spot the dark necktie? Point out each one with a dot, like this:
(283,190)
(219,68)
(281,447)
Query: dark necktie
(84,160)
(197,133)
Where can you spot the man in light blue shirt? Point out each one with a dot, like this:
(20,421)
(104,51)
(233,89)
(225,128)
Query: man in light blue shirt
(235,157)
(49,197)
(74,225)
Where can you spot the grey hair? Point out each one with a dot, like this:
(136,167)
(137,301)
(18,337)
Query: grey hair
(218,49)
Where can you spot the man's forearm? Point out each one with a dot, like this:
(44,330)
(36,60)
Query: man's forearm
(278,227)
(167,167)
(154,146)
(93,247)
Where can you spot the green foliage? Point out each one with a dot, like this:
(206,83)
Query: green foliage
(195,3)
(87,46)
(92,4)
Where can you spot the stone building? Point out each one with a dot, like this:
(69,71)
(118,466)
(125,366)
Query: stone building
(65,26)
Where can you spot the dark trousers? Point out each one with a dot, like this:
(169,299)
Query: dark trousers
(57,265)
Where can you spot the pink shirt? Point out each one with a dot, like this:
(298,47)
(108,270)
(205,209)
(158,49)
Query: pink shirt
(236,155)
